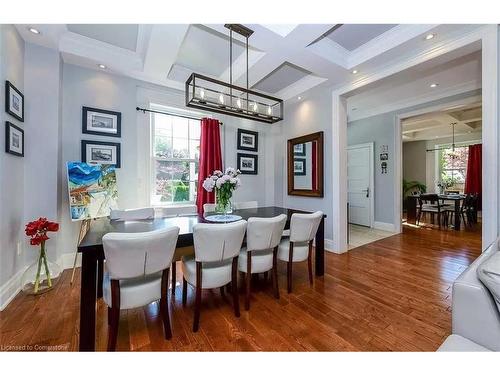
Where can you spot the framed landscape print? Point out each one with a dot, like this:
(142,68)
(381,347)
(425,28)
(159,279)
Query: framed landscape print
(101,122)
(299,167)
(247,163)
(14,139)
(299,149)
(248,140)
(104,153)
(14,101)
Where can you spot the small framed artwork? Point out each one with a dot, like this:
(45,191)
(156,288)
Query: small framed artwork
(384,156)
(299,167)
(248,140)
(14,101)
(96,152)
(247,163)
(14,139)
(101,122)
(299,149)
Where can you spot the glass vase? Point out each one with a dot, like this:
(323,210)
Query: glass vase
(223,203)
(42,275)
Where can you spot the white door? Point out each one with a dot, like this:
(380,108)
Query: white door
(360,184)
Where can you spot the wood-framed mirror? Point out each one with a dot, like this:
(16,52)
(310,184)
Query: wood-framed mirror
(305,165)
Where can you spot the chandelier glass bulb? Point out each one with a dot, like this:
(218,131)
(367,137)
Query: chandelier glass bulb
(269,110)
(238,103)
(221,99)
(255,107)
(202,94)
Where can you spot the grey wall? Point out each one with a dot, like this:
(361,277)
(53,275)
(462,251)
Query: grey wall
(312,114)
(380,130)
(414,161)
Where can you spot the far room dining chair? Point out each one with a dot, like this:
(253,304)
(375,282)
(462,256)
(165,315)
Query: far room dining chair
(431,204)
(261,253)
(215,262)
(298,247)
(209,207)
(133,214)
(245,205)
(137,268)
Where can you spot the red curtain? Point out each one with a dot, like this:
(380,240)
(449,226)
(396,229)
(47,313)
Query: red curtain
(210,159)
(473,183)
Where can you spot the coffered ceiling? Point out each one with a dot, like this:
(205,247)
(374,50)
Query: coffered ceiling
(284,60)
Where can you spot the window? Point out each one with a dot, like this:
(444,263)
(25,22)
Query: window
(453,165)
(175,157)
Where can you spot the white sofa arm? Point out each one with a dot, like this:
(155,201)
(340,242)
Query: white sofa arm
(475,315)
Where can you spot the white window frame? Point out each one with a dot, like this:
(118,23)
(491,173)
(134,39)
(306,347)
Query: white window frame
(153,158)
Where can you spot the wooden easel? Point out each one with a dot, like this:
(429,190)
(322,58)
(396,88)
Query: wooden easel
(84,228)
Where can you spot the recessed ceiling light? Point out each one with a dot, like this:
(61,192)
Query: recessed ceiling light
(433,85)
(354,71)
(299,97)
(429,36)
(33,30)
(102,66)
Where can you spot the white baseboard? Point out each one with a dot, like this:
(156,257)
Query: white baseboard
(388,227)
(13,286)
(331,248)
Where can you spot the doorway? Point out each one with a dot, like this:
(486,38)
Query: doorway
(360,190)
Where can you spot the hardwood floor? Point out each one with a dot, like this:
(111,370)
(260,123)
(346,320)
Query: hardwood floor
(390,295)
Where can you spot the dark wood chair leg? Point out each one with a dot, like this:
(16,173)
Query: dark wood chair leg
(309,264)
(164,305)
(234,287)
(222,292)
(174,277)
(115,315)
(266,276)
(184,291)
(275,273)
(248,280)
(197,300)
(109,316)
(289,268)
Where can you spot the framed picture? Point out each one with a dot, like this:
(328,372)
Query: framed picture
(299,149)
(384,156)
(299,167)
(14,139)
(247,163)
(248,140)
(101,122)
(14,101)
(106,153)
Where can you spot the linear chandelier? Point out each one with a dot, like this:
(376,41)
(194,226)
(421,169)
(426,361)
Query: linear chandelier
(213,95)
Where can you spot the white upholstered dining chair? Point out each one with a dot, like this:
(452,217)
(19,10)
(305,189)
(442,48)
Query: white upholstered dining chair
(260,254)
(209,207)
(215,262)
(298,247)
(133,214)
(245,205)
(137,269)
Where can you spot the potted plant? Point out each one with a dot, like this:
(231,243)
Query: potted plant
(410,187)
(224,185)
(42,275)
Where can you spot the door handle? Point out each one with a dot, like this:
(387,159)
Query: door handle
(367,191)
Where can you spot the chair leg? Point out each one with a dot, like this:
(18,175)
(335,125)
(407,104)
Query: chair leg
(109,316)
(115,315)
(164,305)
(197,300)
(174,277)
(234,287)
(222,292)
(184,291)
(309,264)
(289,268)
(275,273)
(248,280)
(266,276)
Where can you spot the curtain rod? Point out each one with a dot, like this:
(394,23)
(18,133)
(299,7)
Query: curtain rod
(144,110)
(447,148)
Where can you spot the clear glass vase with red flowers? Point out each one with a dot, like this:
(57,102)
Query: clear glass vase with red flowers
(43,274)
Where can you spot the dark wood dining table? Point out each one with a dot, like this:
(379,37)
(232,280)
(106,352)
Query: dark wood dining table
(92,252)
(412,203)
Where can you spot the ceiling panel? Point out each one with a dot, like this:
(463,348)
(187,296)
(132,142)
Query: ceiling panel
(283,76)
(352,36)
(123,36)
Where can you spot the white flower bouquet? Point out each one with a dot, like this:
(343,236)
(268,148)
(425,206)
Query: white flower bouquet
(224,184)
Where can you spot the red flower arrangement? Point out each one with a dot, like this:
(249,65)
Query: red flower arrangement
(37,230)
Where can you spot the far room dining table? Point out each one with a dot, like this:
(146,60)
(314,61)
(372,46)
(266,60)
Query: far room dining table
(92,252)
(455,198)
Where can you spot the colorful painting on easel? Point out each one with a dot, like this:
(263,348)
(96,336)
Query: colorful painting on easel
(92,190)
